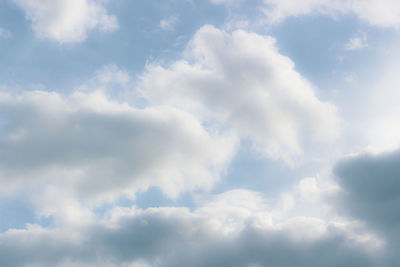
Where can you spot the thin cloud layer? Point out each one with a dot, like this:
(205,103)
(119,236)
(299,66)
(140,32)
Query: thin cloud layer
(357,42)
(241,82)
(5,34)
(67,20)
(382,13)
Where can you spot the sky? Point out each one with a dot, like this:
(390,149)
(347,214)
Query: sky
(164,133)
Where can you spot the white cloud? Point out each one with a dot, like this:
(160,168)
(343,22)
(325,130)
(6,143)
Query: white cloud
(278,10)
(5,34)
(95,148)
(227,2)
(110,79)
(179,237)
(112,74)
(239,81)
(67,20)
(371,106)
(357,43)
(383,13)
(168,23)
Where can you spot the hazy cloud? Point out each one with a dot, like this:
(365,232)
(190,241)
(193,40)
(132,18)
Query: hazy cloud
(5,34)
(357,43)
(168,23)
(382,13)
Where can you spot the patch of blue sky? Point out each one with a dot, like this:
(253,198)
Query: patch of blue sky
(154,198)
(314,43)
(317,46)
(248,170)
(17,211)
(27,60)
(252,171)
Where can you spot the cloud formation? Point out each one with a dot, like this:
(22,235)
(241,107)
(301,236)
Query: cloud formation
(357,42)
(5,34)
(179,237)
(241,82)
(67,20)
(371,193)
(382,13)
(154,168)
(95,147)
(168,23)
(371,186)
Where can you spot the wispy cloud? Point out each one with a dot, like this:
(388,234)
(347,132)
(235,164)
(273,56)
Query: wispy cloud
(168,23)
(357,42)
(5,34)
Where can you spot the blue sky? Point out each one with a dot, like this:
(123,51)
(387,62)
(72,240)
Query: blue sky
(199,133)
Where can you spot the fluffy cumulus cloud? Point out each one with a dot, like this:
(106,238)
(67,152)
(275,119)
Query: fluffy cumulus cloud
(240,81)
(95,147)
(67,20)
(371,193)
(179,237)
(178,165)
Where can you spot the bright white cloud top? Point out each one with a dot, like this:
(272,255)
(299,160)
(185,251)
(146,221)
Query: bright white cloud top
(240,81)
(67,20)
(85,141)
(357,43)
(201,133)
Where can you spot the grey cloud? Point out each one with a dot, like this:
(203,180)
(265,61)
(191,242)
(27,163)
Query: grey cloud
(372,188)
(371,193)
(176,237)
